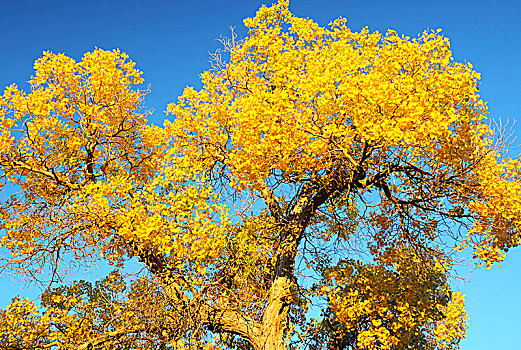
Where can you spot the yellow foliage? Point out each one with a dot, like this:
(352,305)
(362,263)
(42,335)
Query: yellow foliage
(397,304)
(309,148)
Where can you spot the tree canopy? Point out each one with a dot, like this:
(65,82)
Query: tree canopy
(313,194)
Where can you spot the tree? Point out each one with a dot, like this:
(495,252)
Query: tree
(314,192)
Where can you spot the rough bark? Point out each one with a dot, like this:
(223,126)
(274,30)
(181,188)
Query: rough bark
(274,322)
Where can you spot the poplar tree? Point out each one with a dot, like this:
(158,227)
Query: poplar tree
(314,192)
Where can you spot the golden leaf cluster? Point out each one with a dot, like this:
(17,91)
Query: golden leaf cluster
(317,167)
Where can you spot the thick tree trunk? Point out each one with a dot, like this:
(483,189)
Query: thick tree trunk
(275,320)
(271,334)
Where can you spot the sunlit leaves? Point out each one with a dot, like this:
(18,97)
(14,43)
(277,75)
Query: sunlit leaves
(355,160)
(395,304)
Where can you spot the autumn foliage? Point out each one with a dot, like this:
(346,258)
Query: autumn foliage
(314,192)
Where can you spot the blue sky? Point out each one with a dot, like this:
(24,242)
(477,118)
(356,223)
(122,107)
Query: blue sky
(170,41)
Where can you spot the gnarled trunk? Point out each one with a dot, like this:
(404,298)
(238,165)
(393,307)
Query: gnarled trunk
(271,335)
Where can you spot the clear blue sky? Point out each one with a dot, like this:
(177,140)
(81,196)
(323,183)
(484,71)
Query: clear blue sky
(170,42)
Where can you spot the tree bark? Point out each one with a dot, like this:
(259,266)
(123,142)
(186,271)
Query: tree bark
(271,334)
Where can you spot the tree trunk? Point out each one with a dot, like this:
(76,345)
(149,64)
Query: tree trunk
(271,334)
